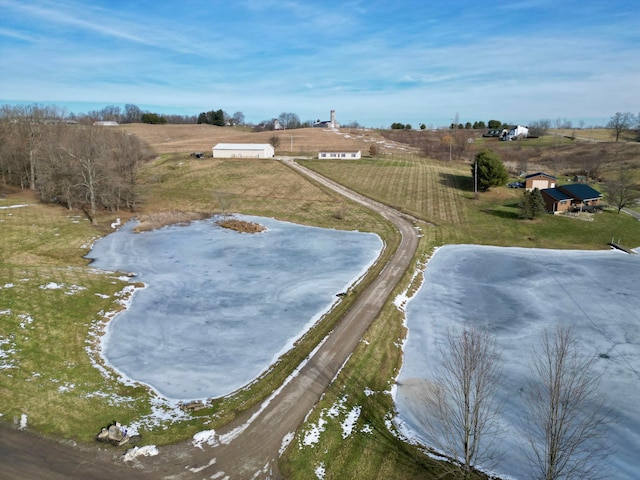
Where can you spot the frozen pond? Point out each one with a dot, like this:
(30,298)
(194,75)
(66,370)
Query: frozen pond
(221,306)
(517,293)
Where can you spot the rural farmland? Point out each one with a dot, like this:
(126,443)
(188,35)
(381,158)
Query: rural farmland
(43,245)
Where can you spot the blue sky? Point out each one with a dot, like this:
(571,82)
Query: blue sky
(373,61)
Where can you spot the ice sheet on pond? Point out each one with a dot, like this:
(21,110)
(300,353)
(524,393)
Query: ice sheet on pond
(221,306)
(516,294)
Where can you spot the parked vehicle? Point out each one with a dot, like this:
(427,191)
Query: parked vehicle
(492,133)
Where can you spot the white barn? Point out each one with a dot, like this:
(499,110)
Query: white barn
(342,154)
(243,150)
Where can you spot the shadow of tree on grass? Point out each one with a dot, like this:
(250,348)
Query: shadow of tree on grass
(506,214)
(460,182)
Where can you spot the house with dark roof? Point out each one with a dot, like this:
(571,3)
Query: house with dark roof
(539,180)
(575,196)
(583,195)
(556,201)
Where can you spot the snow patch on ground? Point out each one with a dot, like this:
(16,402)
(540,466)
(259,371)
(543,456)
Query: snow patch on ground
(201,468)
(286,441)
(13,206)
(338,412)
(403,298)
(67,387)
(7,349)
(26,320)
(312,435)
(320,471)
(350,421)
(136,452)
(206,437)
(71,289)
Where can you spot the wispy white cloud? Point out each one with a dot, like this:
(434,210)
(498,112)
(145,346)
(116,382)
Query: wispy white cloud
(14,34)
(413,58)
(63,15)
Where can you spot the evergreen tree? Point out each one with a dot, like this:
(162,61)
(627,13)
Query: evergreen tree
(532,204)
(212,117)
(491,172)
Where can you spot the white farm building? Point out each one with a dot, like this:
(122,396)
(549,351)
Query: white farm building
(515,133)
(243,150)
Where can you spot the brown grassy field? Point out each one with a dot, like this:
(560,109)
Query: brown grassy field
(303,141)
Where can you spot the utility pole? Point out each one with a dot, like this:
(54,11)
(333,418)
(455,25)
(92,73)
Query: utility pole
(475,180)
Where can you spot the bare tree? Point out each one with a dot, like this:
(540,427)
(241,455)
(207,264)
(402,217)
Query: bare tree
(238,118)
(464,420)
(274,141)
(620,123)
(539,128)
(622,190)
(132,113)
(565,416)
(289,120)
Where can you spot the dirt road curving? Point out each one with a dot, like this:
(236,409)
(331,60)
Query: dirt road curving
(250,446)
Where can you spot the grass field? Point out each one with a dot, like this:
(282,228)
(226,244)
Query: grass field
(52,303)
(441,193)
(304,141)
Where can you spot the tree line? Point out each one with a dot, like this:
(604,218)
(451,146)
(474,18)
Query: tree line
(79,166)
(129,114)
(619,123)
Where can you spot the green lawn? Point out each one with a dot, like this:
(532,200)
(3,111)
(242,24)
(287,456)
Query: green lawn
(442,193)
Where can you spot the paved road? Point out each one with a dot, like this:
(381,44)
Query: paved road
(633,213)
(258,435)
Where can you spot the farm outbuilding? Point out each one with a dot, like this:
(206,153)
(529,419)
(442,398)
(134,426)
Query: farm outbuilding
(332,124)
(243,150)
(515,133)
(342,154)
(540,181)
